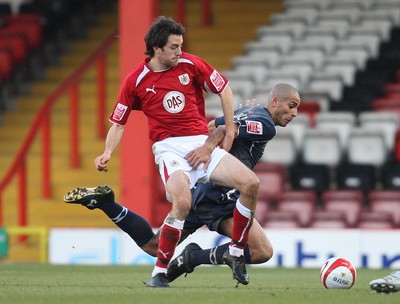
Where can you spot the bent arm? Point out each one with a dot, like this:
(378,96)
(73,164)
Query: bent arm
(227,108)
(113,139)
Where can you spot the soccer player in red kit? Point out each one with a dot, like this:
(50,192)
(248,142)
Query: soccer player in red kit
(168,87)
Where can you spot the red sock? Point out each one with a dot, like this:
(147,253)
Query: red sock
(241,228)
(169,238)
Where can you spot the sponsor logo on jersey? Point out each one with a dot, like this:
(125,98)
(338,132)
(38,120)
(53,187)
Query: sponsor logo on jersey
(184,79)
(119,111)
(254,127)
(152,90)
(174,102)
(217,80)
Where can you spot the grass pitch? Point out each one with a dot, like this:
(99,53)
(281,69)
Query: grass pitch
(45,284)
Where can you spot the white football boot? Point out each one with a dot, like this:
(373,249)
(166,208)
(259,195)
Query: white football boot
(388,284)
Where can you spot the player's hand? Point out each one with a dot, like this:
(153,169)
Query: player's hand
(227,142)
(101,162)
(201,155)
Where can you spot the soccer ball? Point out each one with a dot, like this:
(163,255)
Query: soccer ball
(338,272)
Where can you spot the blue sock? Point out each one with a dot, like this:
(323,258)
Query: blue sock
(133,224)
(213,256)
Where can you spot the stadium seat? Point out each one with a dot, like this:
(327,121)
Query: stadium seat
(16,42)
(386,201)
(375,220)
(30,25)
(255,73)
(328,219)
(387,122)
(350,202)
(297,128)
(280,220)
(282,44)
(390,175)
(342,122)
(311,108)
(310,177)
(6,64)
(281,150)
(293,29)
(321,147)
(303,206)
(315,4)
(272,183)
(397,147)
(269,59)
(367,139)
(272,180)
(356,177)
(262,209)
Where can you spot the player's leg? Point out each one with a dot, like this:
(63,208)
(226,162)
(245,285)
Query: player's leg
(231,172)
(181,197)
(102,197)
(258,250)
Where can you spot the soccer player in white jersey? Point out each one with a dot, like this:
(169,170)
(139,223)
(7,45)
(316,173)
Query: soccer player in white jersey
(168,88)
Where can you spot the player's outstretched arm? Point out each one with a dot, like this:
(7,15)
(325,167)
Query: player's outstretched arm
(113,139)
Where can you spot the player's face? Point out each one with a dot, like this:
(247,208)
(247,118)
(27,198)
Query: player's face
(286,110)
(168,56)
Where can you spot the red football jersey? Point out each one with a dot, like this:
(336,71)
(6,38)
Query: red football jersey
(172,99)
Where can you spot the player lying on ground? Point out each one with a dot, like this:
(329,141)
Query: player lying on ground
(212,205)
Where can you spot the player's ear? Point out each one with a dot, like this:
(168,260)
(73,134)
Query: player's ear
(275,101)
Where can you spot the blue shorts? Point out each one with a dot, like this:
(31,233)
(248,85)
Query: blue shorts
(211,205)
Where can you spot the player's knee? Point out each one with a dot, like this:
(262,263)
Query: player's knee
(262,254)
(251,185)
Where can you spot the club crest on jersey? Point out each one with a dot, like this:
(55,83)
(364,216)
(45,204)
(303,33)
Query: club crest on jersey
(254,127)
(174,102)
(184,79)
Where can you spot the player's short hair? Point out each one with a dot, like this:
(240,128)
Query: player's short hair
(159,32)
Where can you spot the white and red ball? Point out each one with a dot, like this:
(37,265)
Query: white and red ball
(338,272)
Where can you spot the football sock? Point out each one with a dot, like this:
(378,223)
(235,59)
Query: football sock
(169,237)
(242,220)
(133,224)
(213,256)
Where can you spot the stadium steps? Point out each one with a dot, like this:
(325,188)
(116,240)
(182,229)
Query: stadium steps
(53,212)
(234,24)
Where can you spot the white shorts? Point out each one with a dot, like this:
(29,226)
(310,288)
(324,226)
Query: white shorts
(169,155)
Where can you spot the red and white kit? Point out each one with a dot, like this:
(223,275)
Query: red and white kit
(173,102)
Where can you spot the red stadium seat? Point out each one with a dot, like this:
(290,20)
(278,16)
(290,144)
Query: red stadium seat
(393,87)
(262,209)
(397,147)
(302,203)
(6,64)
(32,32)
(375,220)
(310,108)
(350,202)
(386,201)
(272,180)
(328,219)
(16,43)
(280,220)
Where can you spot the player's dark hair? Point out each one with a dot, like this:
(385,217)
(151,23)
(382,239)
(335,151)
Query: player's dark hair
(159,32)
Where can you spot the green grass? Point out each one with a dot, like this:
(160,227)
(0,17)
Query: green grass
(45,284)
